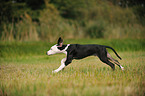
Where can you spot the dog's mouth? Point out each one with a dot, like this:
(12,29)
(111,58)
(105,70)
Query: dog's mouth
(48,54)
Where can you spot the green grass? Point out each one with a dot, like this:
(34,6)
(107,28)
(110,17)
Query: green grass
(25,70)
(14,49)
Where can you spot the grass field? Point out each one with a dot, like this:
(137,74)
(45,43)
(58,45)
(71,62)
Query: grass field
(25,70)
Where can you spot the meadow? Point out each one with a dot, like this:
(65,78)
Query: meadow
(26,70)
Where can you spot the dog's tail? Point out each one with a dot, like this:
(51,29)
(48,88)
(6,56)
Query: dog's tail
(114,52)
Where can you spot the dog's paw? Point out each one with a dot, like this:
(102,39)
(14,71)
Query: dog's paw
(54,71)
(122,68)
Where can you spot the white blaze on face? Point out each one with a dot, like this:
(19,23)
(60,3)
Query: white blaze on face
(53,50)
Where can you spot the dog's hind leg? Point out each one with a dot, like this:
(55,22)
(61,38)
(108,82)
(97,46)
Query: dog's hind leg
(61,66)
(115,61)
(105,60)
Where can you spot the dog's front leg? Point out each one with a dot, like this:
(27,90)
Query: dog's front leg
(61,66)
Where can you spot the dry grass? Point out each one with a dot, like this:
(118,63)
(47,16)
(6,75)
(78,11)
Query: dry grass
(31,75)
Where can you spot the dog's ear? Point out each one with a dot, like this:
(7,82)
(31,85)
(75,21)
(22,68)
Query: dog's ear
(60,42)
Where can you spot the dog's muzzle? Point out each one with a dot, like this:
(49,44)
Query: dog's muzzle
(47,53)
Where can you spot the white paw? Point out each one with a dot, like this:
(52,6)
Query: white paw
(54,71)
(122,68)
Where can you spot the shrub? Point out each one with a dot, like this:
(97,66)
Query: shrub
(96,29)
(52,25)
(24,30)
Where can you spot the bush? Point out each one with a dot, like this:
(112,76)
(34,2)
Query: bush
(52,25)
(24,30)
(96,29)
(76,9)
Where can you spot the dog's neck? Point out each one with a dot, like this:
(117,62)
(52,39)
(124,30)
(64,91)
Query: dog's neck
(63,48)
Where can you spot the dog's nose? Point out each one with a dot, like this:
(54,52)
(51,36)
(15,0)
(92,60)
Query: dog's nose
(46,53)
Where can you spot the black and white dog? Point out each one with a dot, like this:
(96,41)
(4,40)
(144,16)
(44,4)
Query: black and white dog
(77,51)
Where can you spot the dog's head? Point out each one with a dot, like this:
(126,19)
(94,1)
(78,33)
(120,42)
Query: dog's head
(55,48)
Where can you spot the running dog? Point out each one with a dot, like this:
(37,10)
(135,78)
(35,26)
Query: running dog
(77,51)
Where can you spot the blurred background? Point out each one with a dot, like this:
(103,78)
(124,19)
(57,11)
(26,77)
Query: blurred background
(41,20)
